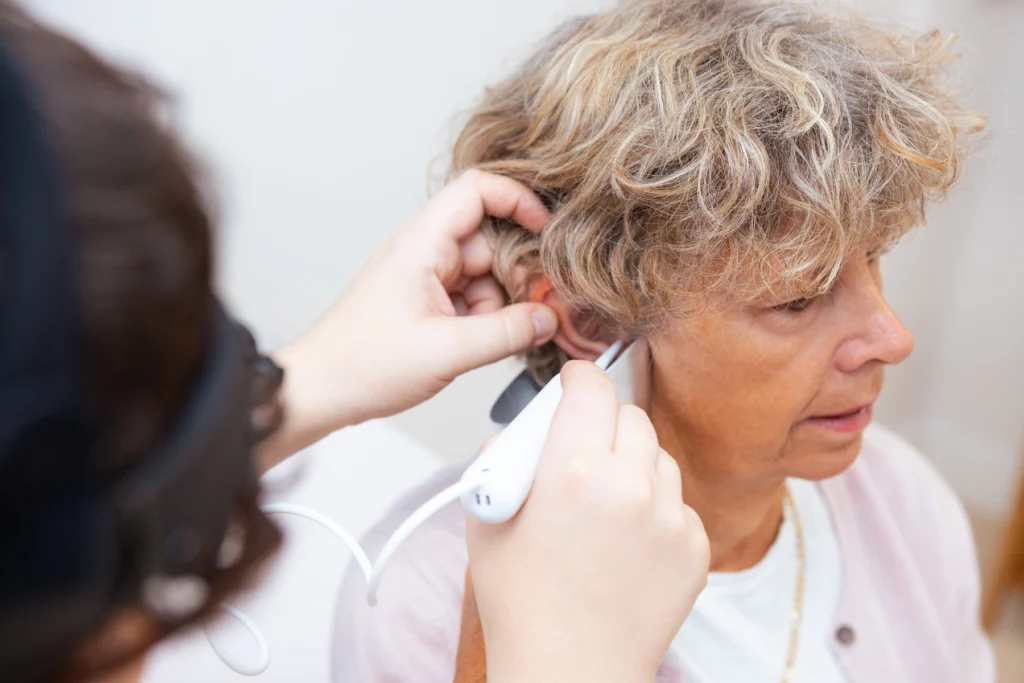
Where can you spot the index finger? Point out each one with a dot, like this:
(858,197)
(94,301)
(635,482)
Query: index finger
(587,415)
(457,211)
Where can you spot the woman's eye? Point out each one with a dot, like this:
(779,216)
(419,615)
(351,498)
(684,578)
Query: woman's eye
(794,306)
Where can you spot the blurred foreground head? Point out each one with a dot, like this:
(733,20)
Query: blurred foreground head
(141,236)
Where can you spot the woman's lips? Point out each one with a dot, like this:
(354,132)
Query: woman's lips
(844,423)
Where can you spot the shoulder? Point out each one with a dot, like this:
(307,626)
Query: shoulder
(412,633)
(894,495)
(912,488)
(902,520)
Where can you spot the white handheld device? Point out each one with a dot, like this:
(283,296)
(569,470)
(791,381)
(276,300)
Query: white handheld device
(508,465)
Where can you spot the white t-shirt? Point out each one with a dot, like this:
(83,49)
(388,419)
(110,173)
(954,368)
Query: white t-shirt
(740,627)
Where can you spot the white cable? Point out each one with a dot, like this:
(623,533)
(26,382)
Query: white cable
(425,511)
(225,656)
(372,572)
(326,522)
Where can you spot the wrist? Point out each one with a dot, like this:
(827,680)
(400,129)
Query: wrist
(311,410)
(545,665)
(561,674)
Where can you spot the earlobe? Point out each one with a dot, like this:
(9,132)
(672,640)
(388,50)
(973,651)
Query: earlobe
(577,335)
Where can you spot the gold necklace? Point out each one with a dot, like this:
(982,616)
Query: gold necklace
(797,616)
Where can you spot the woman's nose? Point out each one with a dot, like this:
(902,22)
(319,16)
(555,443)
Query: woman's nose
(882,336)
(895,341)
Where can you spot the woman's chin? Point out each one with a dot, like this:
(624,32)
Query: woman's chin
(818,461)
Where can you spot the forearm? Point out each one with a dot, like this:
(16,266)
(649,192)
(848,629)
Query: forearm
(309,412)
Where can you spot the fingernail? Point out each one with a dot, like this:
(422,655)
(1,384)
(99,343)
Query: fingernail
(545,324)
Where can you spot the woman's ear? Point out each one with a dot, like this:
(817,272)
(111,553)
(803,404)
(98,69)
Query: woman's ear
(581,334)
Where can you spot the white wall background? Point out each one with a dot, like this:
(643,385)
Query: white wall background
(320,118)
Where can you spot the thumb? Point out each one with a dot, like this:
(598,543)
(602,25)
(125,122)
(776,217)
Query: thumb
(486,338)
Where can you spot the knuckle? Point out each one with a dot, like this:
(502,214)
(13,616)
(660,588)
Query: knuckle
(578,475)
(669,463)
(633,415)
(394,244)
(634,494)
(635,428)
(692,520)
(676,527)
(668,468)
(697,538)
(472,175)
(607,487)
(701,553)
(402,247)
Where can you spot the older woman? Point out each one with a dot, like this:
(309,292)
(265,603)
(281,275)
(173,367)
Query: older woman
(724,177)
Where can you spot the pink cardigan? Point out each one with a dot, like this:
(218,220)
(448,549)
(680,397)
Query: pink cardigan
(909,612)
